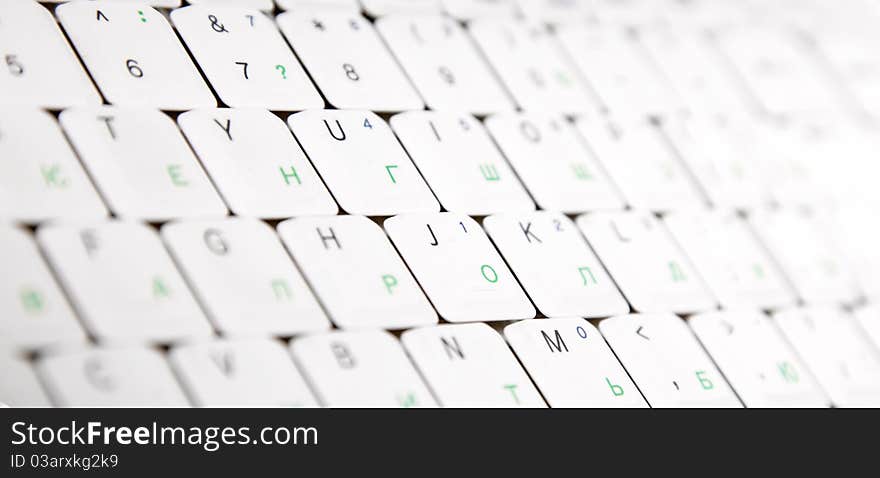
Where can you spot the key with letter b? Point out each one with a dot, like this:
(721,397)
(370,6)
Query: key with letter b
(360,369)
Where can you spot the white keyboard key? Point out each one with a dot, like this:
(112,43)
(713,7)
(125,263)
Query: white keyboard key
(756,361)
(33,311)
(20,387)
(246,281)
(554,165)
(651,271)
(555,11)
(40,177)
(469,365)
(459,269)
(141,163)
(618,73)
(532,66)
(649,174)
(735,267)
(443,64)
(122,282)
(265,5)
(721,164)
(855,235)
(473,9)
(666,362)
(134,55)
(256,164)
(555,265)
(571,364)
(694,70)
(869,319)
(111,378)
(806,255)
(377,8)
(855,63)
(362,162)
(460,162)
(360,369)
(775,72)
(831,345)
(253,373)
(358,72)
(356,272)
(39,67)
(245,58)
(351,5)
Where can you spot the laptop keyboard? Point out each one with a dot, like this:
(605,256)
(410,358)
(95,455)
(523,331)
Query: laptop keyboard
(459,203)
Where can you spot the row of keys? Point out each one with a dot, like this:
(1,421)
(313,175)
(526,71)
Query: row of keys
(143,166)
(799,357)
(493,65)
(367,277)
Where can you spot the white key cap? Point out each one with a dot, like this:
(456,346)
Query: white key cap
(855,63)
(807,257)
(122,282)
(666,361)
(245,58)
(358,72)
(459,269)
(265,5)
(554,264)
(532,66)
(857,237)
(651,271)
(40,177)
(555,11)
(755,359)
(134,55)
(362,162)
(647,171)
(831,345)
(256,164)
(19,387)
(351,5)
(356,272)
(571,364)
(360,369)
(694,70)
(253,373)
(775,72)
(469,365)
(111,378)
(141,163)
(246,281)
(33,312)
(618,72)
(554,165)
(869,319)
(378,8)
(460,162)
(473,9)
(39,67)
(443,64)
(735,267)
(720,162)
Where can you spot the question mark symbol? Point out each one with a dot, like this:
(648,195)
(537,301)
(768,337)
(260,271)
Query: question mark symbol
(282,70)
